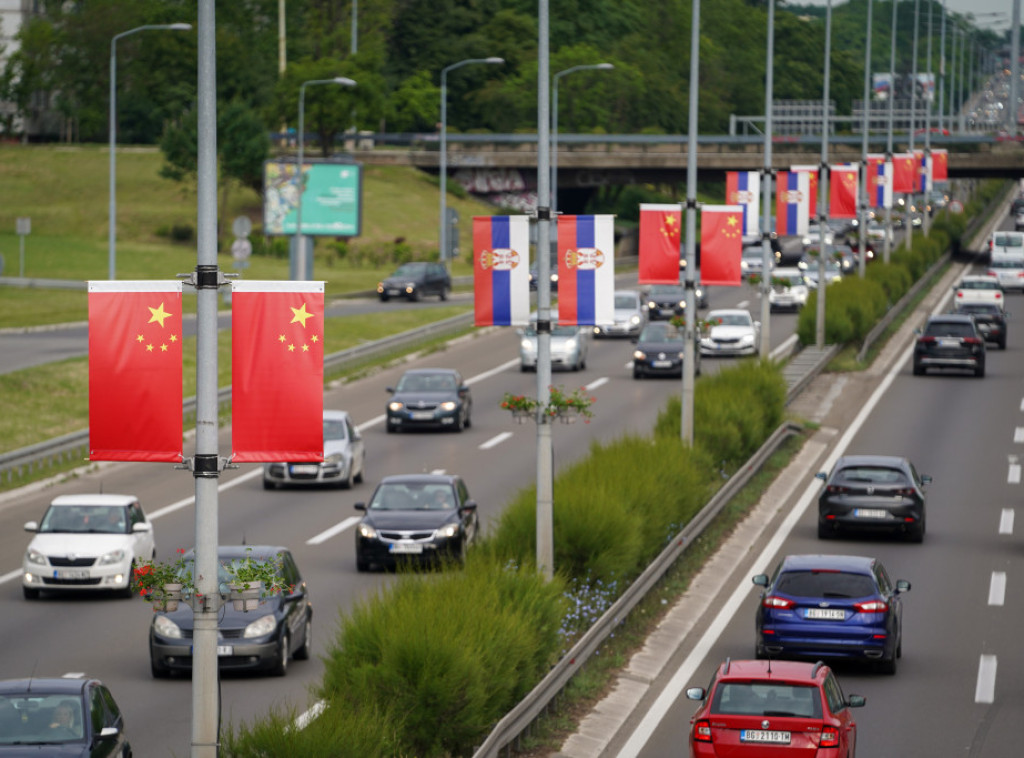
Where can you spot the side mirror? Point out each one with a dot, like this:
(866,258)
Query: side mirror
(360,506)
(821,475)
(761,580)
(856,701)
(519,331)
(390,390)
(926,479)
(902,585)
(695,693)
(31,526)
(142,526)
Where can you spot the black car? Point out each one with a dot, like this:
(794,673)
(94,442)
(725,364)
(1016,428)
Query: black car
(552,274)
(990,320)
(659,351)
(951,340)
(873,493)
(430,398)
(60,717)
(665,301)
(420,518)
(264,639)
(415,280)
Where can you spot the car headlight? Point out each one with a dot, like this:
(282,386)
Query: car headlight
(527,345)
(744,264)
(639,355)
(380,286)
(261,627)
(35,557)
(335,459)
(806,240)
(449,405)
(634,319)
(682,303)
(395,406)
(554,277)
(166,628)
(111,558)
(570,345)
(699,292)
(410,288)
(747,339)
(367,531)
(448,531)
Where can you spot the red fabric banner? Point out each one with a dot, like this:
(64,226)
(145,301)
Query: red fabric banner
(277,371)
(842,200)
(904,173)
(135,371)
(940,165)
(660,227)
(721,245)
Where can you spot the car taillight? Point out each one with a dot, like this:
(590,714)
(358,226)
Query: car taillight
(829,737)
(999,295)
(926,340)
(835,489)
(871,606)
(971,341)
(992,273)
(702,731)
(904,492)
(777,602)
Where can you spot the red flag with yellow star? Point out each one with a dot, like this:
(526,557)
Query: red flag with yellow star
(277,371)
(659,247)
(721,244)
(135,371)
(842,190)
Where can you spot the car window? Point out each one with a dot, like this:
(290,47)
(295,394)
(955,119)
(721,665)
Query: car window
(882,577)
(979,308)
(410,269)
(97,710)
(667,290)
(335,429)
(463,491)
(834,694)
(413,383)
(661,332)
(412,496)
(870,475)
(730,319)
(837,584)
(949,329)
(1006,263)
(766,699)
(979,284)
(623,302)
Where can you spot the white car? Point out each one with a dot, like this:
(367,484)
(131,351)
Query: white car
(569,347)
(343,464)
(731,331)
(629,317)
(1009,270)
(87,543)
(978,289)
(1006,243)
(789,289)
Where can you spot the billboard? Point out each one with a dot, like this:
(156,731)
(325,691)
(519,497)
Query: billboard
(331,204)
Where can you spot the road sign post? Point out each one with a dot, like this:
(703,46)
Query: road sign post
(23,227)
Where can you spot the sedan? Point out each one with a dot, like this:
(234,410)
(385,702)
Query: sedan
(343,464)
(731,331)
(569,347)
(831,607)
(629,318)
(69,716)
(876,493)
(419,518)
(265,639)
(659,352)
(86,543)
(950,340)
(430,398)
(415,280)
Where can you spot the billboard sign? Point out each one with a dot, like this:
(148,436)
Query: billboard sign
(331,204)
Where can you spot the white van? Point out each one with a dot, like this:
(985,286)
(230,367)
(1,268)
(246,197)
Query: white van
(1006,243)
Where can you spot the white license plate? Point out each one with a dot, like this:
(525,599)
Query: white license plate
(949,343)
(422,415)
(661,364)
(394,292)
(304,469)
(72,574)
(764,735)
(870,513)
(825,614)
(225,650)
(406,548)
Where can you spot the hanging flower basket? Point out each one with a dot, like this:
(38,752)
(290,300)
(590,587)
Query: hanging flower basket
(245,596)
(521,416)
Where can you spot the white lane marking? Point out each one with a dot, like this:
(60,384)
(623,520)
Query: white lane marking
(336,529)
(9,576)
(985,691)
(438,471)
(1006,521)
(372,422)
(596,383)
(496,370)
(1022,404)
(784,347)
(305,719)
(1018,434)
(743,304)
(496,440)
(997,588)
(1013,472)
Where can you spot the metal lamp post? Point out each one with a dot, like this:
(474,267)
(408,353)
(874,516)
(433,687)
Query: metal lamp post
(112,233)
(865,128)
(300,242)
(443,174)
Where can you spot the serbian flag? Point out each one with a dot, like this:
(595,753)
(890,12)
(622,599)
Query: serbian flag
(660,227)
(135,371)
(586,270)
(940,165)
(812,187)
(879,181)
(277,371)
(842,194)
(721,245)
(924,171)
(501,275)
(792,203)
(904,173)
(743,188)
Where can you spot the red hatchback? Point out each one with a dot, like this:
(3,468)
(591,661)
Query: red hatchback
(773,708)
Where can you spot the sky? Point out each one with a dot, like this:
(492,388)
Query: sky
(977,7)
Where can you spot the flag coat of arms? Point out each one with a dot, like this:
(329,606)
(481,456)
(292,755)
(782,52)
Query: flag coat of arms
(659,250)
(277,371)
(924,171)
(879,181)
(940,165)
(812,187)
(135,371)
(904,173)
(501,275)
(842,202)
(792,203)
(743,188)
(721,245)
(586,270)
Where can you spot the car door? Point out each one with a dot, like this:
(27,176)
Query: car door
(471,519)
(355,441)
(887,589)
(143,543)
(836,701)
(103,714)
(294,599)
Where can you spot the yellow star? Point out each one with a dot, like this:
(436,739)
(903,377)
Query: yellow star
(305,348)
(174,338)
(301,315)
(315,338)
(291,348)
(280,338)
(731,221)
(149,348)
(140,338)
(159,314)
(163,348)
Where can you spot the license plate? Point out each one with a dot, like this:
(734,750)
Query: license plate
(406,548)
(394,292)
(825,614)
(225,650)
(72,574)
(421,415)
(764,735)
(949,343)
(304,469)
(661,364)
(870,513)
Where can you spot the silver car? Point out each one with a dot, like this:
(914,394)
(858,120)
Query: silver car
(569,346)
(343,464)
(630,316)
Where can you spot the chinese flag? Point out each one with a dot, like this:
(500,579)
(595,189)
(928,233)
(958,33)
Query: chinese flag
(277,371)
(721,244)
(135,371)
(659,243)
(904,173)
(842,201)
(940,165)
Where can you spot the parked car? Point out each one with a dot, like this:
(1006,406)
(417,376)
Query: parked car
(420,518)
(873,493)
(265,639)
(415,280)
(1008,268)
(61,716)
(429,398)
(831,607)
(570,346)
(789,290)
(343,464)
(979,289)
(760,708)
(630,316)
(86,543)
(950,340)
(990,320)
(659,351)
(731,331)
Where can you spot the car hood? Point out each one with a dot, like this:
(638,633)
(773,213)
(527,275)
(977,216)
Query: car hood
(52,750)
(82,545)
(625,314)
(724,332)
(660,346)
(430,398)
(228,617)
(333,447)
(410,520)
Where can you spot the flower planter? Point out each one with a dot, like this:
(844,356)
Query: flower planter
(246,596)
(521,416)
(567,415)
(164,604)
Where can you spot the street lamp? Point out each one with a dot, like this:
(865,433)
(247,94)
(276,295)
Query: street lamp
(300,246)
(443,176)
(112,232)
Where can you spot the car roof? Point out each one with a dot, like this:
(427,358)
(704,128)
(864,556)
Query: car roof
(729,312)
(635,293)
(775,670)
(419,479)
(44,685)
(333,414)
(431,371)
(871,460)
(850,564)
(95,499)
(978,278)
(787,271)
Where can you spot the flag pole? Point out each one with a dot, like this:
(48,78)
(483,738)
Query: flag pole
(689,333)
(766,190)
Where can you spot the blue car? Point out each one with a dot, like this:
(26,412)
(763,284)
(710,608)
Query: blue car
(831,607)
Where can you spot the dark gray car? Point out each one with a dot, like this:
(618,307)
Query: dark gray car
(951,340)
(415,280)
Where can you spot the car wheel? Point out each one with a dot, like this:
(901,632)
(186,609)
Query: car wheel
(414,296)
(444,293)
(918,369)
(348,481)
(1002,342)
(29,593)
(888,665)
(918,534)
(362,471)
(384,298)
(390,428)
(281,664)
(637,373)
(269,485)
(980,371)
(460,423)
(304,652)
(469,417)
(158,671)
(362,565)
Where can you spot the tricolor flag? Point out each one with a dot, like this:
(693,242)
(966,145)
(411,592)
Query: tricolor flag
(586,270)
(812,187)
(924,171)
(879,180)
(135,371)
(744,188)
(721,245)
(277,371)
(792,203)
(904,173)
(501,274)
(659,243)
(940,165)
(842,201)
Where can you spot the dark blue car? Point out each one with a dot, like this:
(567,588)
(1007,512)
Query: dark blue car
(831,607)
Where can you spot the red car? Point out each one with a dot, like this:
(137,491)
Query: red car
(778,708)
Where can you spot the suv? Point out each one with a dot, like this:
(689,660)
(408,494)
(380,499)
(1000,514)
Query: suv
(990,320)
(951,340)
(753,708)
(414,280)
(978,289)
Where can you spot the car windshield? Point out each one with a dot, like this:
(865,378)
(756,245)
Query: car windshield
(787,280)
(766,699)
(412,496)
(624,302)
(1008,240)
(87,519)
(667,290)
(335,429)
(556,330)
(949,329)
(729,319)
(40,718)
(829,583)
(427,383)
(871,474)
(661,332)
(1006,263)
(224,576)
(979,308)
(410,269)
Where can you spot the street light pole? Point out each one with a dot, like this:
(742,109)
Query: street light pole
(887,234)
(443,158)
(865,128)
(112,232)
(766,188)
(300,177)
(689,328)
(823,179)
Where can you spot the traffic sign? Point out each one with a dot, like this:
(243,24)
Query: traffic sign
(241,226)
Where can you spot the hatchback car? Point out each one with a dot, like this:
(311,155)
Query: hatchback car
(950,340)
(629,317)
(831,607)
(731,331)
(415,280)
(419,518)
(86,543)
(72,716)
(979,289)
(665,301)
(990,320)
(265,639)
(779,708)
(876,493)
(343,464)
(570,346)
(429,398)
(659,351)
(789,290)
